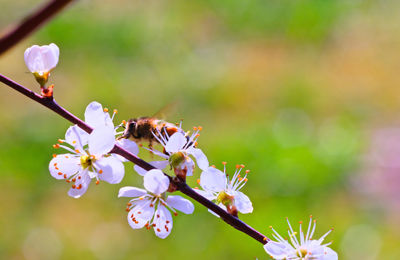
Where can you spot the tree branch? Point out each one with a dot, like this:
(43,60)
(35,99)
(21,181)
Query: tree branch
(31,23)
(51,104)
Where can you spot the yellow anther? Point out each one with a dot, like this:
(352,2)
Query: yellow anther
(115,111)
(60,141)
(54,155)
(195,128)
(200,128)
(247,171)
(198,181)
(224,163)
(124,122)
(105,109)
(242,166)
(56,146)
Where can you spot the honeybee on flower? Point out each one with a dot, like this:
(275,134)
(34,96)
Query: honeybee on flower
(179,150)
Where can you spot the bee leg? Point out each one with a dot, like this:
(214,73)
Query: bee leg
(151,148)
(188,143)
(125,135)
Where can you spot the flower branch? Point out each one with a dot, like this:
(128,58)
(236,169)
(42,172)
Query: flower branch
(51,104)
(31,23)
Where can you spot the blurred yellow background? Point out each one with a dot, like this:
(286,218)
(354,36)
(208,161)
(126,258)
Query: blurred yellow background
(295,90)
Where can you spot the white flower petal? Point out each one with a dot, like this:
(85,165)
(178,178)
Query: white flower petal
(207,194)
(243,203)
(201,158)
(101,140)
(82,184)
(188,164)
(67,164)
(140,214)
(131,192)
(175,143)
(50,55)
(113,170)
(156,182)
(30,55)
(329,254)
(277,250)
(163,155)
(56,51)
(96,117)
(181,204)
(76,137)
(41,59)
(158,164)
(128,145)
(213,180)
(163,222)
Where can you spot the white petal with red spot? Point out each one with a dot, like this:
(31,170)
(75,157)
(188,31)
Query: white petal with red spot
(80,187)
(111,169)
(163,222)
(64,165)
(140,214)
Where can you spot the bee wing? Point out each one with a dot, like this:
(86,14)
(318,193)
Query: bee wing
(167,110)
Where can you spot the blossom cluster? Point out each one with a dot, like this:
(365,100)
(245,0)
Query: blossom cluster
(89,156)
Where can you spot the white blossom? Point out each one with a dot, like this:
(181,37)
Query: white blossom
(41,60)
(304,248)
(178,149)
(224,191)
(88,156)
(151,207)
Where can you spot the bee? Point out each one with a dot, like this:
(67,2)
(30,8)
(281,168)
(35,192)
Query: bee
(148,128)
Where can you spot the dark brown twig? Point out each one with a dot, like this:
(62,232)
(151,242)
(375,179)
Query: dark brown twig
(31,23)
(51,104)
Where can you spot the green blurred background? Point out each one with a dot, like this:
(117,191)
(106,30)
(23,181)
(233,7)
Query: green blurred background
(293,89)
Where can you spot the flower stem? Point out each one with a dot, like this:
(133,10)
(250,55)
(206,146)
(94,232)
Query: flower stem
(51,104)
(31,23)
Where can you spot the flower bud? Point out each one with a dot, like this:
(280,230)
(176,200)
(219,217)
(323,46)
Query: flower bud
(40,60)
